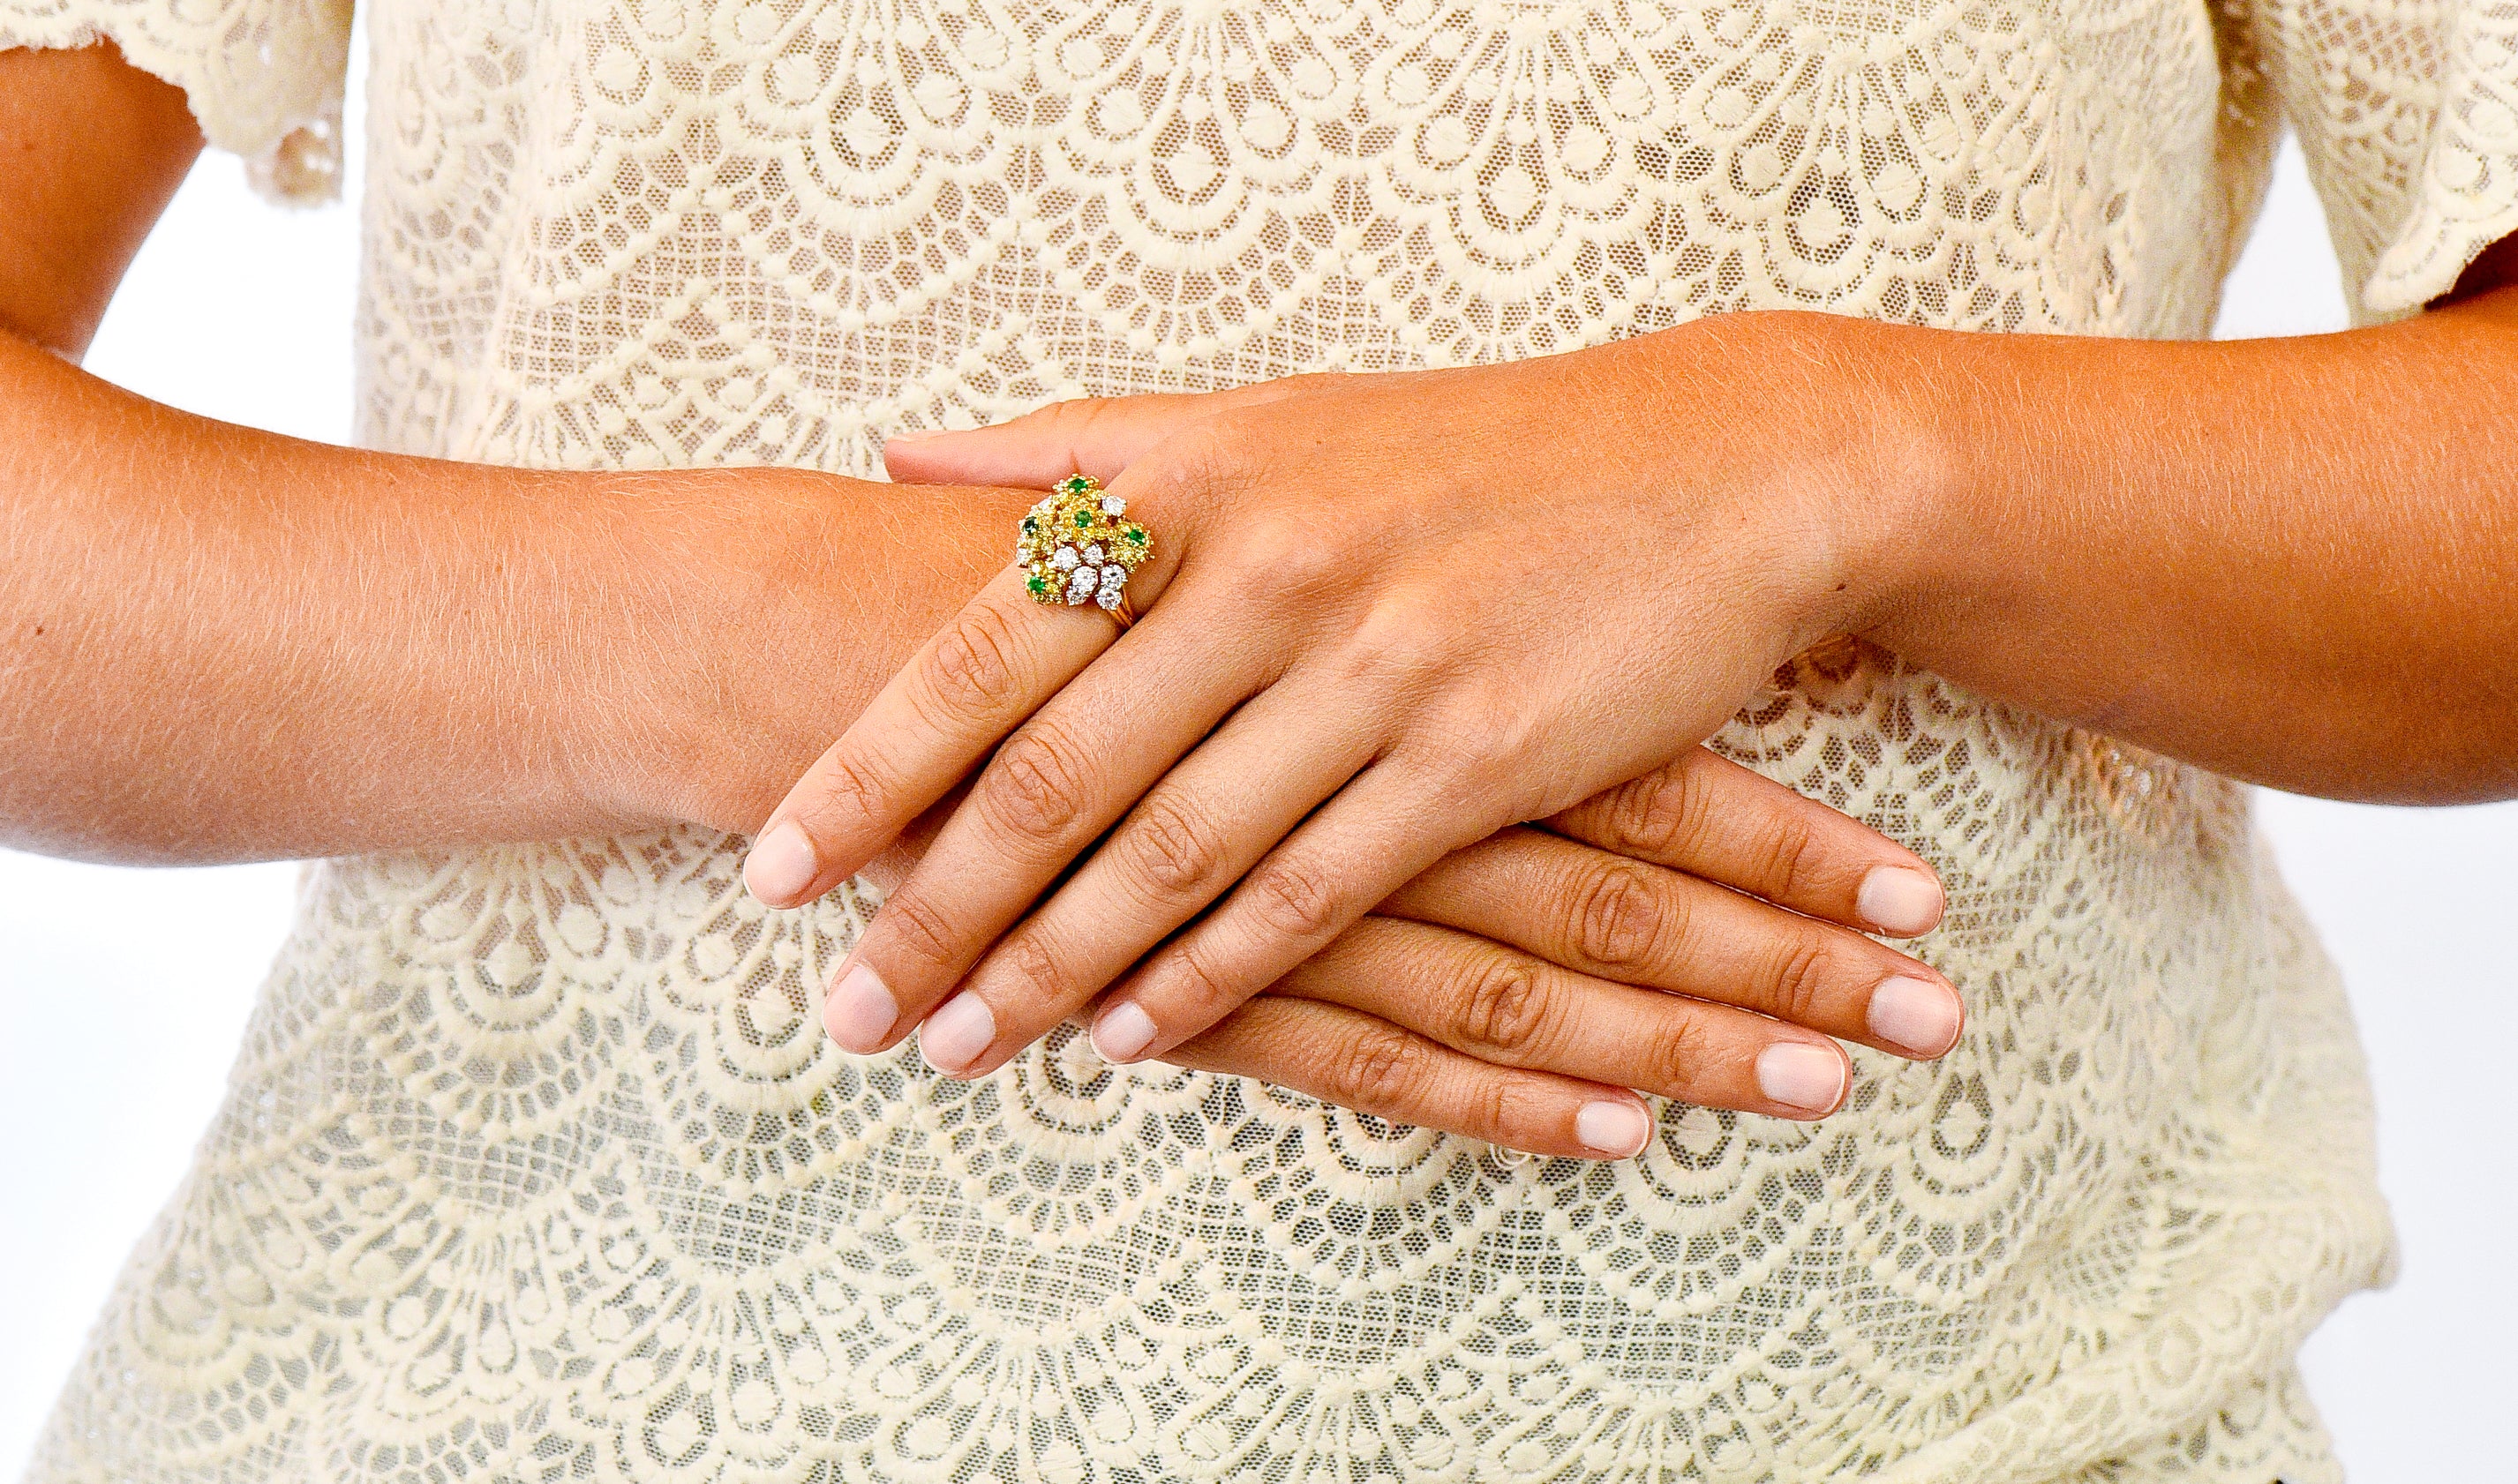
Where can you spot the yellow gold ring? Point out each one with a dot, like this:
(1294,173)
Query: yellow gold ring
(1076,548)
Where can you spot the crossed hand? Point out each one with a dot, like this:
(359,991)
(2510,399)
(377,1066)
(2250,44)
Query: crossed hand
(1390,621)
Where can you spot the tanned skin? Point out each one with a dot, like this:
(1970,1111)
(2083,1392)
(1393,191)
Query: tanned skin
(2289,560)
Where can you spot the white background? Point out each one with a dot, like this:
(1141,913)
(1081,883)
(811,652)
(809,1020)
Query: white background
(124,993)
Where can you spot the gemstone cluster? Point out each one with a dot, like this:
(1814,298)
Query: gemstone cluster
(1076,548)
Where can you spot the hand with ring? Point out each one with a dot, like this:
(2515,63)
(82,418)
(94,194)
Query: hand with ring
(1387,617)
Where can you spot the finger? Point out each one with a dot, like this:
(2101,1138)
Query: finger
(1510,1009)
(932,724)
(1612,917)
(1372,1066)
(1002,655)
(1184,844)
(1709,816)
(1381,829)
(1098,436)
(887,869)
(1059,782)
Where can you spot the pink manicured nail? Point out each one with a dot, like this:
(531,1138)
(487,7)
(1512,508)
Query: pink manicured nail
(782,865)
(1917,1016)
(957,1035)
(1899,901)
(859,1012)
(1798,1074)
(1121,1032)
(916,435)
(1614,1129)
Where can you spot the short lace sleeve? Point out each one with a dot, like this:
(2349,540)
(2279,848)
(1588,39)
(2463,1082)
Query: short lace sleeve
(2407,111)
(264,77)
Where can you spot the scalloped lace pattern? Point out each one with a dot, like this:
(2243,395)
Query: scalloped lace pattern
(263,76)
(535,1166)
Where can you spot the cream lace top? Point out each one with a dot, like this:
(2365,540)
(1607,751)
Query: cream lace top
(534,1164)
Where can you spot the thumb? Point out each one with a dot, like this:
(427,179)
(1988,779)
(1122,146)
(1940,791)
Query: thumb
(1098,436)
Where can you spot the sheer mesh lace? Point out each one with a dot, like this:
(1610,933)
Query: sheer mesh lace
(535,1166)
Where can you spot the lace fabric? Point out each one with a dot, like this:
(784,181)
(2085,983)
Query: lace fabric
(535,1164)
(263,76)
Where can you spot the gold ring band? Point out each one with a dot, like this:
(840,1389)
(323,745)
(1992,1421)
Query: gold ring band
(1078,547)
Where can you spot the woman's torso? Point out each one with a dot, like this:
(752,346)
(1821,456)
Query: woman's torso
(536,1164)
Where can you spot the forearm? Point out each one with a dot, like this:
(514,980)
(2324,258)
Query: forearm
(218,644)
(2291,561)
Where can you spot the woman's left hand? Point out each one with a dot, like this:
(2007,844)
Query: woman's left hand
(1386,616)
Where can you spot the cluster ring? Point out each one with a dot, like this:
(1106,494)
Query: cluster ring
(1077,546)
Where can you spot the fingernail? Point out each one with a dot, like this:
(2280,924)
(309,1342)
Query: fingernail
(1121,1031)
(1798,1074)
(1615,1128)
(781,865)
(1899,900)
(859,1012)
(957,1035)
(916,435)
(1917,1016)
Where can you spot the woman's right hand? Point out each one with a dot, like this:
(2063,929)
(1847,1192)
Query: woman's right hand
(1691,935)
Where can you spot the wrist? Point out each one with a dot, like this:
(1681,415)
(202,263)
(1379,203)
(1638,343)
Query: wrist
(633,729)
(1886,496)
(1842,444)
(764,609)
(709,637)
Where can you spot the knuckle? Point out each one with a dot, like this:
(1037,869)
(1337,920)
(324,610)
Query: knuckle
(1295,899)
(1618,916)
(1790,856)
(1379,1067)
(1502,1007)
(1201,460)
(1404,640)
(1797,979)
(1670,1054)
(978,661)
(1502,1105)
(1659,813)
(845,789)
(1029,961)
(1173,847)
(915,928)
(1282,554)
(1038,787)
(1485,773)
(1075,414)
(1195,988)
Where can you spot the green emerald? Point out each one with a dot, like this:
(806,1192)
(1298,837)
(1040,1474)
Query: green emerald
(1084,518)
(1037,585)
(1136,533)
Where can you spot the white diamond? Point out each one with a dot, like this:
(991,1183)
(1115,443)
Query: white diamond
(1094,554)
(1065,559)
(1107,597)
(1114,577)
(1080,587)
(1112,504)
